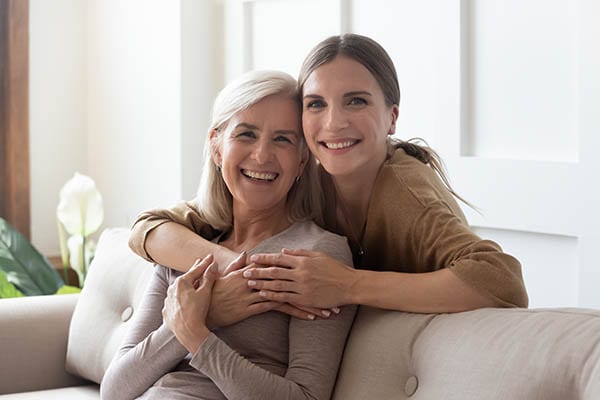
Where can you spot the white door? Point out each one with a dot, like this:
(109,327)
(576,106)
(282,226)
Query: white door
(507,91)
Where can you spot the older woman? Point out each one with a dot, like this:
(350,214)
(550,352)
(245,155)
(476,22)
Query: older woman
(255,196)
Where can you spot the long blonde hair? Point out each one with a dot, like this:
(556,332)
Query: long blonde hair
(214,199)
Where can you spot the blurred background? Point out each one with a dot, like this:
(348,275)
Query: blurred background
(507,91)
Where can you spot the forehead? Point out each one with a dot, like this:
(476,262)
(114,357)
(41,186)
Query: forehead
(273,112)
(341,73)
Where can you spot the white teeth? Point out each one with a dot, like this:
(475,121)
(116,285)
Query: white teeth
(263,176)
(340,145)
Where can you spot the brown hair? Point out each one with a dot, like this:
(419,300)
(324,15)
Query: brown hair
(374,57)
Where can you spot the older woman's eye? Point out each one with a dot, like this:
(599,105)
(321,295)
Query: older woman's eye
(282,138)
(246,134)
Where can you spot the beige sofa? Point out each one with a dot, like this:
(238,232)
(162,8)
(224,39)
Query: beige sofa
(57,347)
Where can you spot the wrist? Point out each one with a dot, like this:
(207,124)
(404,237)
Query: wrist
(192,342)
(352,287)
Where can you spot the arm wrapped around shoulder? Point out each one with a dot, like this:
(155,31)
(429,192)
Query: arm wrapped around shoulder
(184,213)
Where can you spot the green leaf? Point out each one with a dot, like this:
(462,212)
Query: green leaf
(68,289)
(24,266)
(7,289)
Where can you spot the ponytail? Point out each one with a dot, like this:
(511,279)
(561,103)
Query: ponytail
(428,156)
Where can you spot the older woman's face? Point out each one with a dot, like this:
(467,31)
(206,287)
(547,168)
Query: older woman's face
(261,153)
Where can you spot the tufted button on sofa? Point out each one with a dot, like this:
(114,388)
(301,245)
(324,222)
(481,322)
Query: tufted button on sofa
(58,347)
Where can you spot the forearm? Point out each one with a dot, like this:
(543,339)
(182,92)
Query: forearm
(239,378)
(177,247)
(440,291)
(135,368)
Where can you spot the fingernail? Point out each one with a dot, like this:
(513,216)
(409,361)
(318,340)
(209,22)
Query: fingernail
(326,313)
(336,310)
(253,257)
(251,283)
(262,293)
(247,274)
(311,317)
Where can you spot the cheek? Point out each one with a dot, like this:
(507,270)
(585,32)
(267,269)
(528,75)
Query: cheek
(310,126)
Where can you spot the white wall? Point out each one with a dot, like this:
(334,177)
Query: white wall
(57,108)
(134,104)
(121,91)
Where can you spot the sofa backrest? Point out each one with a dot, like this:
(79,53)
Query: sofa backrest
(114,286)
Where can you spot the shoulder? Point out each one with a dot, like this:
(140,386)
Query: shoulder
(405,180)
(308,235)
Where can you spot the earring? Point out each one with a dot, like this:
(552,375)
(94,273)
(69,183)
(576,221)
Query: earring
(298,179)
(219,169)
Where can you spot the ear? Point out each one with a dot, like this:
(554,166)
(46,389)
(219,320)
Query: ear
(395,113)
(215,148)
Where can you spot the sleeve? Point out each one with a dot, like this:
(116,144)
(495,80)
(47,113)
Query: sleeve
(185,213)
(149,350)
(315,352)
(442,239)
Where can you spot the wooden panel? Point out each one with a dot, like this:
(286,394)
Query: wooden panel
(14,134)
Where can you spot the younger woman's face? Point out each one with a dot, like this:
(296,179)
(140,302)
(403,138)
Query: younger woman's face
(345,118)
(261,153)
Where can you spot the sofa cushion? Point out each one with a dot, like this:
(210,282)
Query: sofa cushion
(114,286)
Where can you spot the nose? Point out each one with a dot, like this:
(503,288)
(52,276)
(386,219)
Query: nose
(262,151)
(335,119)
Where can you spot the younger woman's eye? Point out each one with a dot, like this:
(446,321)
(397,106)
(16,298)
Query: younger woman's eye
(357,101)
(315,104)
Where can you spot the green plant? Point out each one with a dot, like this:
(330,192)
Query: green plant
(24,267)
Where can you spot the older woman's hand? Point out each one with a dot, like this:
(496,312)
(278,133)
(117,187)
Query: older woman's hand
(233,301)
(302,278)
(187,304)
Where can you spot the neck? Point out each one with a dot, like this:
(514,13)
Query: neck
(353,196)
(251,227)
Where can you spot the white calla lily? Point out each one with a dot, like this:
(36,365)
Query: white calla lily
(75,246)
(80,209)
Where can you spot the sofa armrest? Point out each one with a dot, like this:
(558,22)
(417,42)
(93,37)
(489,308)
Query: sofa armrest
(33,343)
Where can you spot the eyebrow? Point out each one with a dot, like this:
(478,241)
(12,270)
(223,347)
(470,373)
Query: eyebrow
(278,131)
(348,94)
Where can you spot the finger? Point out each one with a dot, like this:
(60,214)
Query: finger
(282,297)
(208,278)
(275,286)
(294,311)
(197,269)
(278,259)
(236,264)
(321,312)
(299,252)
(269,273)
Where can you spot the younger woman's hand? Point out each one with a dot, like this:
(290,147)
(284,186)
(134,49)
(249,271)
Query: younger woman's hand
(302,278)
(187,303)
(234,301)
